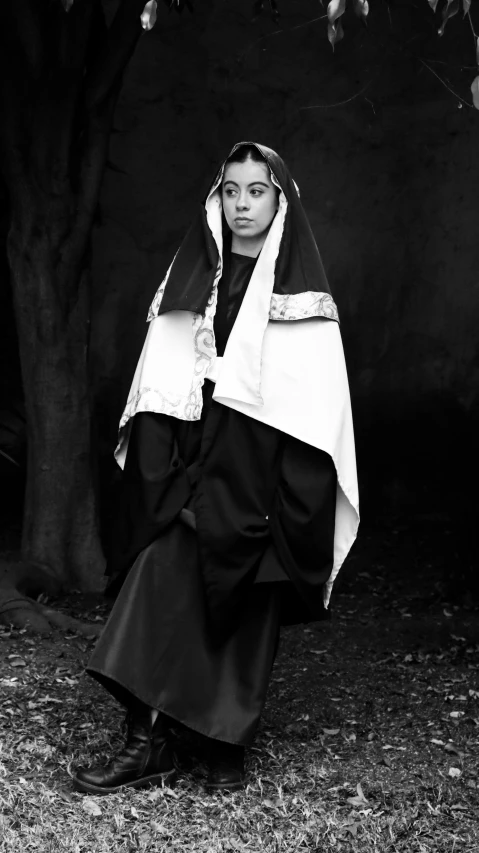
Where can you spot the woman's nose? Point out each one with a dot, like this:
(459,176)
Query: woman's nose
(242,201)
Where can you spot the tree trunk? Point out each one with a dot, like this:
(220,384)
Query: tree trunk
(60,531)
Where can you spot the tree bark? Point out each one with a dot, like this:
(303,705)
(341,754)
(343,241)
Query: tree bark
(60,530)
(61,75)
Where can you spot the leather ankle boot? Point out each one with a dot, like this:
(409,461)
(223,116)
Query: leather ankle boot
(146,759)
(226,767)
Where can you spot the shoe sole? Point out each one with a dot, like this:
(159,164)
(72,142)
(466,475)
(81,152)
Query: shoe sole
(234,786)
(160,779)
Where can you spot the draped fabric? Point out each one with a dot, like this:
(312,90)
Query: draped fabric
(239,425)
(299,268)
(283,364)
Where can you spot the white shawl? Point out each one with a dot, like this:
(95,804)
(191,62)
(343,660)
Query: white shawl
(290,375)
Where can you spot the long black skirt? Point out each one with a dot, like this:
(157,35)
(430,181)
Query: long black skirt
(158,647)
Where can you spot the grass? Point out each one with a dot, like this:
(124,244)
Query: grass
(369,740)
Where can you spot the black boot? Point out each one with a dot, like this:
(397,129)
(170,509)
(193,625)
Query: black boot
(226,772)
(145,760)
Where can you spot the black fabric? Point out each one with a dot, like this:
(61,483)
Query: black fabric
(264,502)
(298,268)
(264,505)
(237,272)
(158,647)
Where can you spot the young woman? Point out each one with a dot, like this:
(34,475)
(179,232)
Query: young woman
(240,494)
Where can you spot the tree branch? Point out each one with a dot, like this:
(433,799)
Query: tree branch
(93,164)
(123,35)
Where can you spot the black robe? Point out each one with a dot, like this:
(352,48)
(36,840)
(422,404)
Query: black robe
(194,628)
(264,502)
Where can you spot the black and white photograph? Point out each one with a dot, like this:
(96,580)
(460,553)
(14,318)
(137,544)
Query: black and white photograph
(239,426)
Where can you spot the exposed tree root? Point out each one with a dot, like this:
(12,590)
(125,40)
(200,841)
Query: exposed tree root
(18,590)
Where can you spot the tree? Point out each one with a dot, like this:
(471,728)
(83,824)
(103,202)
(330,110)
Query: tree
(61,69)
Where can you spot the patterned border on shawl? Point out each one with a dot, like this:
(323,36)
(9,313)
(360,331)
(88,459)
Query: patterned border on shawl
(302,306)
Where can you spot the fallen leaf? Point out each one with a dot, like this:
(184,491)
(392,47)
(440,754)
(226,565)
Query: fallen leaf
(456,714)
(331,731)
(454,772)
(360,800)
(159,828)
(449,747)
(91,807)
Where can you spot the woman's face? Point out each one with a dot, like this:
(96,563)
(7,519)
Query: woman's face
(250,200)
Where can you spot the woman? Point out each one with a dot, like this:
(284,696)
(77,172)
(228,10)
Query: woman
(240,499)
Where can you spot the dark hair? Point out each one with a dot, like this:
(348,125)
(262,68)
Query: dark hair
(244,153)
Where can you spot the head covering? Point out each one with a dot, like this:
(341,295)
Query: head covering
(278,367)
(298,267)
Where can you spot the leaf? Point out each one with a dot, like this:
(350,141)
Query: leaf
(456,714)
(159,828)
(466,5)
(477,52)
(437,742)
(318,651)
(360,800)
(134,813)
(331,731)
(17,661)
(148,16)
(451,9)
(335,10)
(67,4)
(449,747)
(433,4)
(454,772)
(335,27)
(91,807)
(475,92)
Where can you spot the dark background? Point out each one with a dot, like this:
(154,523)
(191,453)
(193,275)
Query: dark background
(385,156)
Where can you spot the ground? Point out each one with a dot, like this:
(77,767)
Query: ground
(369,740)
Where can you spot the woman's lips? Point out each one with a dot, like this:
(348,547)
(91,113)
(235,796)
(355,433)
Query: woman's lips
(242,220)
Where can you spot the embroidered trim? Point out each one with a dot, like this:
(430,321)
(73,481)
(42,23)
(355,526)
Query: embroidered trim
(302,306)
(150,400)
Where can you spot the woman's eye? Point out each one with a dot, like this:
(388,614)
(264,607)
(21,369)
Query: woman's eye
(256,193)
(229,192)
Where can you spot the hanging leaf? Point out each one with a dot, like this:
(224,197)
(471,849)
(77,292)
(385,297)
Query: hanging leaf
(148,16)
(475,92)
(451,9)
(433,4)
(67,4)
(335,28)
(477,51)
(466,5)
(335,33)
(361,7)
(335,10)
